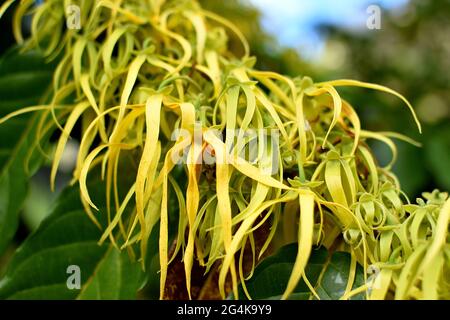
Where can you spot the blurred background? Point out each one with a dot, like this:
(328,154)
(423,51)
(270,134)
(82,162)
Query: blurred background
(402,44)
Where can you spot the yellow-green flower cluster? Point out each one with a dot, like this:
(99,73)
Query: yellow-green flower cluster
(137,71)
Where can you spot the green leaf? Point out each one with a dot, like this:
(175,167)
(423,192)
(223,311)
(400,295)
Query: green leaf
(39,269)
(14,182)
(334,280)
(24,79)
(271,276)
(116,277)
(437,151)
(9,136)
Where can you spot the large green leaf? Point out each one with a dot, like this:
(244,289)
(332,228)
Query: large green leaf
(334,280)
(39,269)
(437,150)
(24,78)
(14,182)
(116,277)
(271,276)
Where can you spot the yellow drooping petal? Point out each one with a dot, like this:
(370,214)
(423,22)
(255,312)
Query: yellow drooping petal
(381,137)
(264,77)
(380,286)
(164,231)
(129,84)
(5,7)
(432,277)
(71,120)
(440,238)
(346,82)
(301,128)
(108,47)
(117,217)
(337,106)
(223,199)
(256,174)
(152,118)
(114,6)
(23,111)
(187,49)
(354,119)
(232,27)
(192,197)
(243,229)
(18,16)
(84,173)
(200,30)
(351,275)
(78,50)
(305,241)
(84,81)
(409,273)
